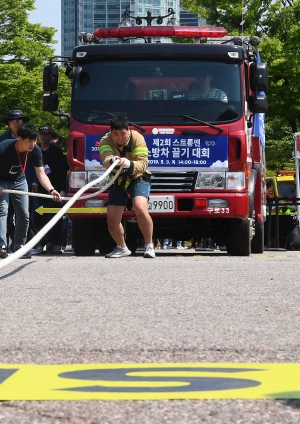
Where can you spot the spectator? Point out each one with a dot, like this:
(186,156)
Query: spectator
(56,139)
(14,120)
(167,243)
(32,183)
(157,243)
(14,156)
(61,242)
(54,165)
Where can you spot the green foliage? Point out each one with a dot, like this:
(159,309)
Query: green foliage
(228,13)
(277,22)
(21,41)
(282,53)
(183,40)
(279,146)
(24,50)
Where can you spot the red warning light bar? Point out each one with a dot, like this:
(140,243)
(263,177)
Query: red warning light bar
(278,173)
(162,31)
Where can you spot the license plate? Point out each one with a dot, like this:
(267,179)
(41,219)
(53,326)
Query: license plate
(161,204)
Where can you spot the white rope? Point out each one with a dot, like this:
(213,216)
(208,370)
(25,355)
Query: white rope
(27,247)
(49,196)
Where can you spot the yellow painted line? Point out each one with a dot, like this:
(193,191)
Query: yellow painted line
(41,210)
(150,381)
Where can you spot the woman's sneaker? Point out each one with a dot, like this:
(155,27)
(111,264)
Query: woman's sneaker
(119,252)
(149,251)
(3,252)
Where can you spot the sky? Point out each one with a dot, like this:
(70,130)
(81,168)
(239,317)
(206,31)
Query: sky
(48,14)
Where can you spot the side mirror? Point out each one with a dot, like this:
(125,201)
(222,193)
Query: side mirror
(74,72)
(50,102)
(259,77)
(258,104)
(50,77)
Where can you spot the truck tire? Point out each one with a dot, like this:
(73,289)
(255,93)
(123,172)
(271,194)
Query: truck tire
(258,241)
(106,243)
(240,243)
(83,238)
(132,244)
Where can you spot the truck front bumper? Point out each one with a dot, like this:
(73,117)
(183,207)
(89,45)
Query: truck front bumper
(191,205)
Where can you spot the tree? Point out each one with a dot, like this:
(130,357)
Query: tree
(277,23)
(230,13)
(24,50)
(279,150)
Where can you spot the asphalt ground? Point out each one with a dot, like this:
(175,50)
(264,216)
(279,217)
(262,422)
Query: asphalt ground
(184,306)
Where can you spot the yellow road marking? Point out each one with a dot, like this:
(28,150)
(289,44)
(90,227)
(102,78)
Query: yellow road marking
(150,381)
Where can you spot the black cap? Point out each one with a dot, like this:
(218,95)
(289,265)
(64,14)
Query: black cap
(45,129)
(15,114)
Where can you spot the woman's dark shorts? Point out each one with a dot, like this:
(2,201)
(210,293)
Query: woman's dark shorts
(119,197)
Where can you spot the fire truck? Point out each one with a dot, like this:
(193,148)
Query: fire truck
(207,162)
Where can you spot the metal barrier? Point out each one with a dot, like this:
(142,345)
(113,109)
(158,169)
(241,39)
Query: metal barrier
(278,202)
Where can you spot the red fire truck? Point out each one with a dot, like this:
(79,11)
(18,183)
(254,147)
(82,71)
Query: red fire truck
(207,162)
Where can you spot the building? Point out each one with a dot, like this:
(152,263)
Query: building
(190,19)
(78,16)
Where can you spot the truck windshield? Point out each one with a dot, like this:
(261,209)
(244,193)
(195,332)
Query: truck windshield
(286,188)
(158,92)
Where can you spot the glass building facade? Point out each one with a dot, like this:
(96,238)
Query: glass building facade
(190,19)
(78,16)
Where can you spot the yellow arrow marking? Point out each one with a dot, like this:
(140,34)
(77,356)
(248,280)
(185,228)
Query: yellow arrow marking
(41,210)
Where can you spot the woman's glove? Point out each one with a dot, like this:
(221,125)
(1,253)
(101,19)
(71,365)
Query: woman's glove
(124,162)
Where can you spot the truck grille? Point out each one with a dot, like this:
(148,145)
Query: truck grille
(182,182)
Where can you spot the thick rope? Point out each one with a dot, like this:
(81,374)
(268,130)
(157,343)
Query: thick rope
(28,246)
(49,196)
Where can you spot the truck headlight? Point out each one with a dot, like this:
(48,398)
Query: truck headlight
(77,179)
(220,181)
(235,180)
(94,175)
(210,180)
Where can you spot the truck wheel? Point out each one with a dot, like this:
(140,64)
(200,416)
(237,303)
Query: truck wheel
(106,243)
(240,243)
(258,241)
(132,244)
(83,239)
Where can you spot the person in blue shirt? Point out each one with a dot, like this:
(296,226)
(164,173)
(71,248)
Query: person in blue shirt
(14,156)
(15,119)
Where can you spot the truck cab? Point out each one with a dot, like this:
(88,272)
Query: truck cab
(207,162)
